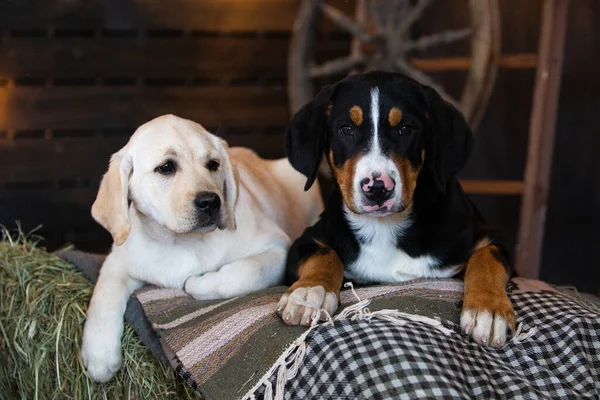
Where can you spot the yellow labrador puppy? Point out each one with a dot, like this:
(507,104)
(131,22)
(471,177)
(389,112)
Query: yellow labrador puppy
(187,212)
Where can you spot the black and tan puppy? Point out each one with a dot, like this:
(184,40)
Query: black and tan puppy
(397,212)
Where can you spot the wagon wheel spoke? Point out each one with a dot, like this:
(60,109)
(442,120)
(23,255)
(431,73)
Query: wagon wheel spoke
(341,20)
(387,13)
(424,79)
(412,16)
(378,13)
(336,66)
(360,16)
(436,39)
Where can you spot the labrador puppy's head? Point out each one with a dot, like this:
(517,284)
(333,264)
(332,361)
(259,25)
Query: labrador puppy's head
(381,134)
(174,172)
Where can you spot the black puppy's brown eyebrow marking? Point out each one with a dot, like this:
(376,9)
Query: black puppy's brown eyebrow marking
(356,115)
(395,116)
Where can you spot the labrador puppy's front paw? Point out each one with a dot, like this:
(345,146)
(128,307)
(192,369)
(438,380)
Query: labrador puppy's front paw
(101,357)
(487,318)
(204,287)
(298,306)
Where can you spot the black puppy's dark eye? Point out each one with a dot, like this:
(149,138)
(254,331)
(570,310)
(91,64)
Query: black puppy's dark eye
(167,168)
(345,130)
(406,130)
(212,165)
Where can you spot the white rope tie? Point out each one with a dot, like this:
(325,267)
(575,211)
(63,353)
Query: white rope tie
(519,336)
(359,311)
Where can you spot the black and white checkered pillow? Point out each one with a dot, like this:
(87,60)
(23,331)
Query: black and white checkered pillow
(378,359)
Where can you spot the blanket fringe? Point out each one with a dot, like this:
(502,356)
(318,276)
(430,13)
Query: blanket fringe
(288,364)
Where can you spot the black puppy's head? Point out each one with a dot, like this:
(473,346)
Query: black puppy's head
(379,132)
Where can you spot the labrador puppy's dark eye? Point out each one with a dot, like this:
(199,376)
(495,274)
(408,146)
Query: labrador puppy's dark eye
(213,165)
(346,130)
(166,169)
(406,130)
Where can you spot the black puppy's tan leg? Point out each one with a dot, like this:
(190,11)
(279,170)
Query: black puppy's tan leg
(320,278)
(487,312)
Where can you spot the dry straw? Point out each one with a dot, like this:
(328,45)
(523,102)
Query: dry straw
(42,309)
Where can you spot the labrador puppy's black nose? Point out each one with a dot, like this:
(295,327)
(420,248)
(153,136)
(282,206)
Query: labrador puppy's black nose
(207,202)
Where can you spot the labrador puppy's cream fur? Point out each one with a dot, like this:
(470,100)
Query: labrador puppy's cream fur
(161,237)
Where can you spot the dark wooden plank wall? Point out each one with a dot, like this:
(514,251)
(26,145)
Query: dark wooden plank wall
(77,77)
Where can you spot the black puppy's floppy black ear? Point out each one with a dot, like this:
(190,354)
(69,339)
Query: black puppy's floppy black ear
(306,136)
(449,140)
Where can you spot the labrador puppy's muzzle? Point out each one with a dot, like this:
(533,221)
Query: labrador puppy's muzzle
(208,210)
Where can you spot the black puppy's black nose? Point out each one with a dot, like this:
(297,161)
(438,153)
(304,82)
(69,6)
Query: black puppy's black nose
(377,193)
(208,202)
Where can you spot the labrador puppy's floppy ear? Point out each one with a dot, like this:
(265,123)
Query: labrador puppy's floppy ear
(231,186)
(111,208)
(449,139)
(306,136)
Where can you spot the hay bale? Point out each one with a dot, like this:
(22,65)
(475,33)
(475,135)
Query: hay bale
(43,302)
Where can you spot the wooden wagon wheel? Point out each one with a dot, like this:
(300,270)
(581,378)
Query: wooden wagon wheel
(383,26)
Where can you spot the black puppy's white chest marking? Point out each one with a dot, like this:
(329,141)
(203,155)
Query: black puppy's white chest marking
(381,260)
